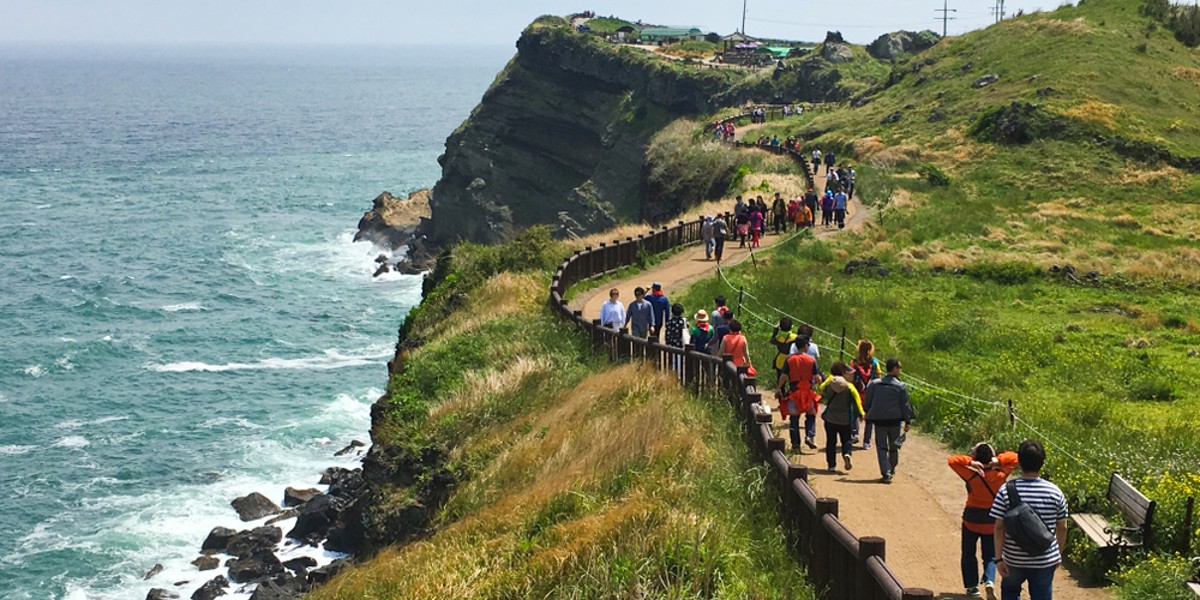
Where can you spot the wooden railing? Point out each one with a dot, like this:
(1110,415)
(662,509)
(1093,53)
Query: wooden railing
(848,567)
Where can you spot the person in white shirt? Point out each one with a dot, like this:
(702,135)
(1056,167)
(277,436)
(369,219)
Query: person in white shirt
(612,312)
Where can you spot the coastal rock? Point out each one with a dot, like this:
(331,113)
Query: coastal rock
(349,448)
(283,516)
(327,572)
(332,473)
(347,484)
(252,507)
(155,570)
(206,563)
(283,586)
(259,565)
(837,53)
(391,221)
(212,589)
(161,594)
(217,539)
(300,564)
(893,45)
(317,516)
(295,497)
(259,538)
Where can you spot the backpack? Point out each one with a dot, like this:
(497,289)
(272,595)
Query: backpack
(1023,524)
(862,376)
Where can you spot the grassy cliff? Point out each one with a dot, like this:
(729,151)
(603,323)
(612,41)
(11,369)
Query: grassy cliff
(511,463)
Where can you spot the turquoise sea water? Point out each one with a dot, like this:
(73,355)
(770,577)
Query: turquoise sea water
(183,317)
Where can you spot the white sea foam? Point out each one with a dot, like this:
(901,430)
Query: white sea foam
(69,424)
(3,398)
(16,450)
(184,307)
(72,441)
(331,359)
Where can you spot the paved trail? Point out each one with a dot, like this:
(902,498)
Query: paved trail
(919,513)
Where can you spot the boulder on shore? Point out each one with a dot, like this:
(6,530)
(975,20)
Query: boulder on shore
(391,221)
(161,594)
(217,539)
(206,562)
(252,507)
(212,589)
(259,538)
(283,586)
(296,497)
(259,565)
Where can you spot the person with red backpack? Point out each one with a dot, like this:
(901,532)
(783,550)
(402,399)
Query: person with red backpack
(864,369)
(984,473)
(794,391)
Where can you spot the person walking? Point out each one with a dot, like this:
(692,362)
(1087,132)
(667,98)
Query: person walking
(830,161)
(612,312)
(889,408)
(742,220)
(675,327)
(812,201)
(794,390)
(708,236)
(662,309)
(851,176)
(639,317)
(701,332)
(782,338)
(720,330)
(779,213)
(840,200)
(865,369)
(756,226)
(827,209)
(816,161)
(984,472)
(1018,565)
(734,344)
(720,309)
(843,406)
(720,232)
(793,209)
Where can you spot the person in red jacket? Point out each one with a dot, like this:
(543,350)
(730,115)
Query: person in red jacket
(984,473)
(797,399)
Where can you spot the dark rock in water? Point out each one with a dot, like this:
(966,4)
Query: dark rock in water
(300,564)
(283,516)
(316,516)
(217,539)
(155,570)
(350,448)
(392,221)
(892,118)
(161,594)
(261,563)
(986,80)
(259,538)
(330,474)
(206,563)
(382,259)
(348,533)
(181,583)
(347,485)
(327,572)
(212,589)
(254,506)
(283,586)
(384,268)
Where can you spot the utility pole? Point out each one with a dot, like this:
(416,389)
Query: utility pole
(744,16)
(945,10)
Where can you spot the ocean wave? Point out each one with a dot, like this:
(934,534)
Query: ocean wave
(331,359)
(184,307)
(16,450)
(72,441)
(35,371)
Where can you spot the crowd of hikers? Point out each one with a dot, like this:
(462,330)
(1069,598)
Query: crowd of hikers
(1011,528)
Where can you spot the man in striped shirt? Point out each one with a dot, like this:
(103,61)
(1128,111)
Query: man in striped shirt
(1018,566)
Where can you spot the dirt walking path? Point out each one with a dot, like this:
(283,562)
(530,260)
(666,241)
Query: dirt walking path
(919,513)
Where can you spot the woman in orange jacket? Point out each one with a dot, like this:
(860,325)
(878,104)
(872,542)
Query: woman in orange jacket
(984,473)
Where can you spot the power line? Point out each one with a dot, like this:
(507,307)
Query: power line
(946,18)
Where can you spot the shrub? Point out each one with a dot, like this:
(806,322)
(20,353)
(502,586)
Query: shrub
(1005,273)
(1146,389)
(1155,578)
(934,175)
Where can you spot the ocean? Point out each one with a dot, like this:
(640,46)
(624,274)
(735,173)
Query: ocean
(183,316)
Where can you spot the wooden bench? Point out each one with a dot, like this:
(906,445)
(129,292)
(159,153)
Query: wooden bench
(1134,505)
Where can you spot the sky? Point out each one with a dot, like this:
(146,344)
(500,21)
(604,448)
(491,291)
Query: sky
(482,22)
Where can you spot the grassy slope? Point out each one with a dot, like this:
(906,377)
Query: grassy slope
(578,480)
(1088,366)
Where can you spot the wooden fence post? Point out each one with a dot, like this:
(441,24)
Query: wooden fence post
(822,541)
(596,335)
(864,584)
(623,344)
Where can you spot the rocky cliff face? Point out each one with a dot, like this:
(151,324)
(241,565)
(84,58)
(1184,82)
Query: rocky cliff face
(559,138)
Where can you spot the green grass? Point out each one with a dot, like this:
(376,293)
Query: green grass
(1099,371)
(607,25)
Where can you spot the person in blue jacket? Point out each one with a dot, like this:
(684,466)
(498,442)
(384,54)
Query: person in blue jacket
(662,309)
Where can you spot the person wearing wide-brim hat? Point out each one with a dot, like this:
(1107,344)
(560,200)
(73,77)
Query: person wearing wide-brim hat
(701,332)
